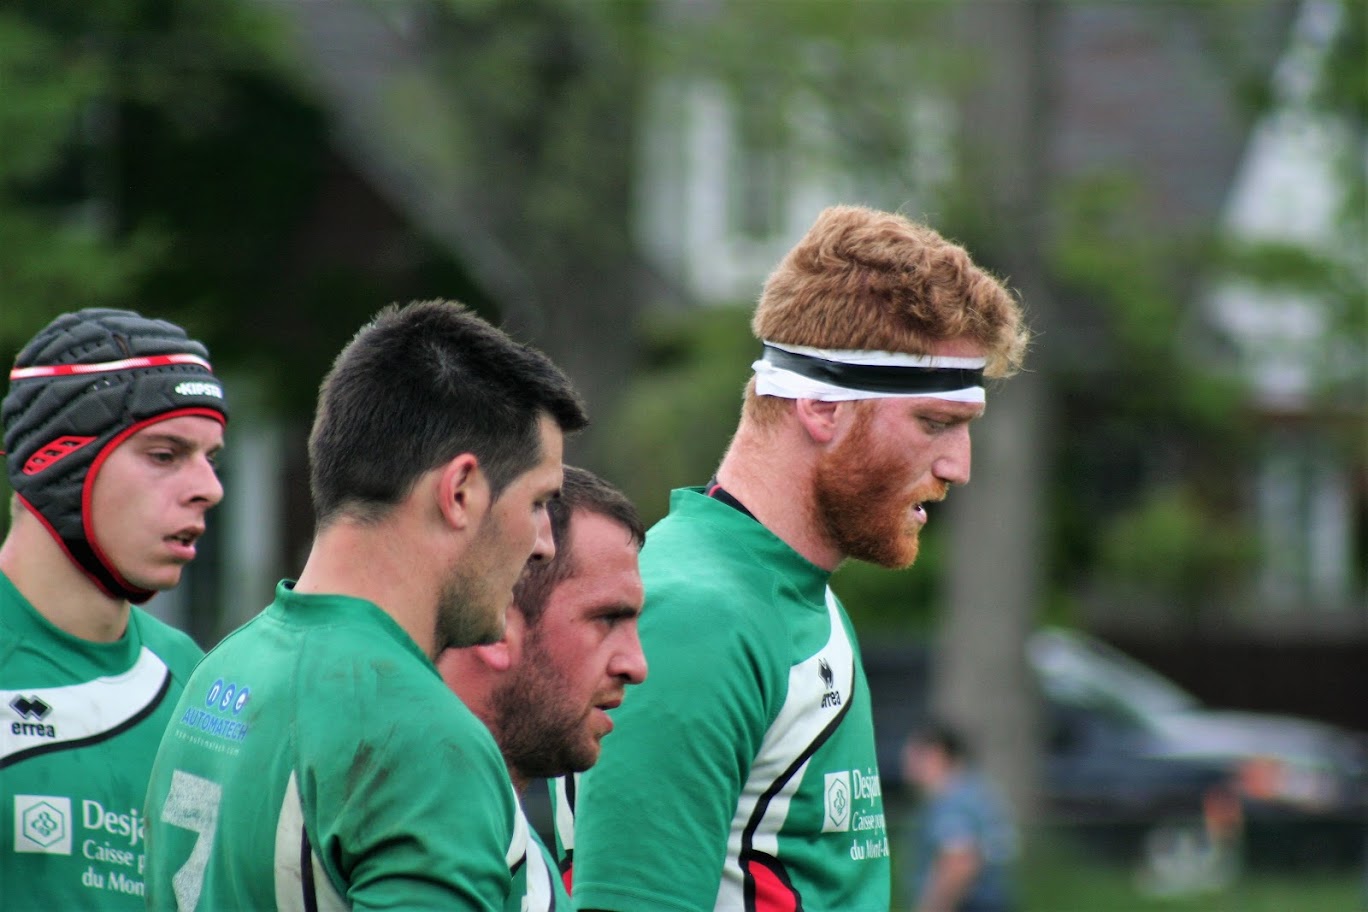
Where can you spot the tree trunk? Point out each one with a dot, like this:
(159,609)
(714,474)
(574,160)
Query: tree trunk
(981,679)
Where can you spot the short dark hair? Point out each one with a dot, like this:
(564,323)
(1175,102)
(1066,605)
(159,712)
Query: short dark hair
(948,738)
(416,387)
(581,490)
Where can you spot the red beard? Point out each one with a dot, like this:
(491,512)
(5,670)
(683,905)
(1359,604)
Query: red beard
(862,503)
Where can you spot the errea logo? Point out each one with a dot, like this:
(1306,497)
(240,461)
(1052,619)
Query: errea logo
(199,388)
(832,696)
(32,710)
(42,823)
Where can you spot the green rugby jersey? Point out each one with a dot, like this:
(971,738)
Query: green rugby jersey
(79,725)
(742,774)
(317,761)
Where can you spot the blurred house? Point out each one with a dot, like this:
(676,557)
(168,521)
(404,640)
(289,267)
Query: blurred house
(1305,379)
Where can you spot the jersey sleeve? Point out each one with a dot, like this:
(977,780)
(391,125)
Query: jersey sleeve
(653,816)
(175,647)
(411,805)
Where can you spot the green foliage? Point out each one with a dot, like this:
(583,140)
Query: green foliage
(1172,548)
(819,86)
(1144,400)
(173,164)
(898,603)
(52,252)
(74,74)
(674,423)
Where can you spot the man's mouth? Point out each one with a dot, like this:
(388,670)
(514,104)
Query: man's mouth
(183,542)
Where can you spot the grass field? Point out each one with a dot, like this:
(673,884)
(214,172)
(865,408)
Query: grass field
(1056,876)
(1055,880)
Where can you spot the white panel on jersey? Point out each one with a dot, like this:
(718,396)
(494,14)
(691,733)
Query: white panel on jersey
(517,847)
(818,688)
(289,879)
(540,894)
(75,712)
(565,814)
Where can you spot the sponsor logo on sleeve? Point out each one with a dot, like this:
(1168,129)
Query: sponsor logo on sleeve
(223,702)
(854,804)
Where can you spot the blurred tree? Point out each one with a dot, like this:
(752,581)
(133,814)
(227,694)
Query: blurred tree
(506,132)
(171,165)
(547,95)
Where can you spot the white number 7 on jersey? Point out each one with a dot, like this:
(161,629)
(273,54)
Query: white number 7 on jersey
(194,805)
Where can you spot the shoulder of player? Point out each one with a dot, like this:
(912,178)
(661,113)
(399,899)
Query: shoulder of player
(729,605)
(173,646)
(401,708)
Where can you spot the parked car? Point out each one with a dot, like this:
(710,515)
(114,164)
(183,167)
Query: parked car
(1302,785)
(1136,765)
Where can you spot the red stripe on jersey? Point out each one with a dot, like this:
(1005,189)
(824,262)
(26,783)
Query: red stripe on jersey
(771,893)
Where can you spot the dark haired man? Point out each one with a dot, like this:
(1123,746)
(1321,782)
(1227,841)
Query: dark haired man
(967,841)
(112,424)
(742,774)
(317,760)
(567,655)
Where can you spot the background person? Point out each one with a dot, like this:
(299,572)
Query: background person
(566,658)
(112,422)
(967,840)
(317,760)
(742,773)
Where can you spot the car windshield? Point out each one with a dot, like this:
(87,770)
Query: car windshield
(1080,670)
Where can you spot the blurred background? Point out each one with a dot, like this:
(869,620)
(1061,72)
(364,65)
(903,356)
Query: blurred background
(1156,589)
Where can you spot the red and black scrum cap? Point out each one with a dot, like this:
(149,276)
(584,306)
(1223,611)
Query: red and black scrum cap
(83,385)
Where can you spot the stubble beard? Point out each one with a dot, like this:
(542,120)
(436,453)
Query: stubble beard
(466,615)
(541,733)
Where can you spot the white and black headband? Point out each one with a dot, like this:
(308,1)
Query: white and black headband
(838,375)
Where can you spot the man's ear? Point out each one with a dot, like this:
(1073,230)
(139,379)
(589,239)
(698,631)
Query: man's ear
(820,419)
(463,492)
(507,652)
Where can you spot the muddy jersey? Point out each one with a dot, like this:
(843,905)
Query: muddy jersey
(317,761)
(742,774)
(79,725)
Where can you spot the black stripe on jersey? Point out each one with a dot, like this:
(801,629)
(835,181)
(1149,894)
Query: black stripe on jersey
(568,862)
(569,780)
(141,714)
(748,835)
(306,875)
